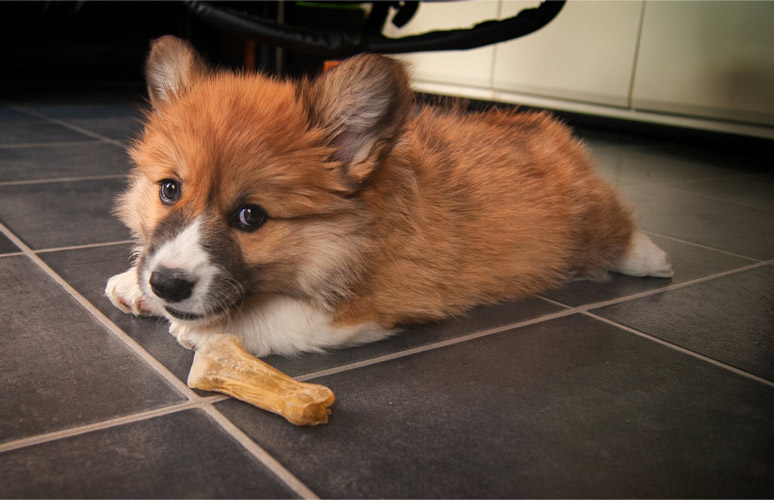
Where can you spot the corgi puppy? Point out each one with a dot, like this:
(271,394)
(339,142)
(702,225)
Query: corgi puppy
(302,216)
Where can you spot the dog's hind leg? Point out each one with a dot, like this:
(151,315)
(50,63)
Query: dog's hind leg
(644,258)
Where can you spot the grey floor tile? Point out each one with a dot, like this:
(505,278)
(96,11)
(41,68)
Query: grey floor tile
(568,408)
(689,262)
(6,246)
(718,224)
(88,270)
(57,214)
(182,455)
(121,120)
(65,160)
(60,368)
(755,190)
(730,319)
(17,128)
(668,164)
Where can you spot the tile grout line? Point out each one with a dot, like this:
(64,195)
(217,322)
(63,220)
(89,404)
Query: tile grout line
(14,254)
(104,320)
(436,345)
(106,424)
(84,247)
(193,399)
(63,179)
(53,144)
(512,326)
(585,311)
(678,348)
(675,286)
(62,123)
(271,463)
(699,245)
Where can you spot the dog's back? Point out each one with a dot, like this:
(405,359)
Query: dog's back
(482,207)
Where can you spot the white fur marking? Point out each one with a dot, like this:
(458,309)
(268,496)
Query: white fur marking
(184,252)
(281,325)
(645,259)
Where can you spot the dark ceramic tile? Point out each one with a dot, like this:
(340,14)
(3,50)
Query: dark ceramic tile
(599,138)
(130,109)
(730,319)
(182,455)
(88,270)
(689,262)
(18,128)
(60,368)
(718,224)
(750,190)
(51,215)
(479,319)
(568,408)
(119,121)
(668,164)
(66,160)
(6,246)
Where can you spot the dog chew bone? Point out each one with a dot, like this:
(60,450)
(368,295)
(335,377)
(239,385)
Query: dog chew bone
(222,364)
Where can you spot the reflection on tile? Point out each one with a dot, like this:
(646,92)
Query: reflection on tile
(66,160)
(665,164)
(53,215)
(565,408)
(689,262)
(60,367)
(748,190)
(119,121)
(17,128)
(182,455)
(730,319)
(714,223)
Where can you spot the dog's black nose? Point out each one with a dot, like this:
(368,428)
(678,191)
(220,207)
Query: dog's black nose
(171,285)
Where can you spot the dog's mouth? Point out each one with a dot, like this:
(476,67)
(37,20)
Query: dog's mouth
(182,315)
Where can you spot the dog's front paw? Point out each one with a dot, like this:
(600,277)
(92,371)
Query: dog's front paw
(187,336)
(124,292)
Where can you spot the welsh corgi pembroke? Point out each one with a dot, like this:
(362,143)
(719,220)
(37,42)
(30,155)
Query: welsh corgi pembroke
(302,216)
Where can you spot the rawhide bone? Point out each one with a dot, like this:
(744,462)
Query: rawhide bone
(222,364)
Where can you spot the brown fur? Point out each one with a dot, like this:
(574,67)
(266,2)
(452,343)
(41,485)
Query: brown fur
(375,214)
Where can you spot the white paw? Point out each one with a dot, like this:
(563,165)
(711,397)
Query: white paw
(645,259)
(187,336)
(124,292)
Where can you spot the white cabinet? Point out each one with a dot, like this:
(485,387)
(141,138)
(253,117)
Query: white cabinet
(711,59)
(702,64)
(586,54)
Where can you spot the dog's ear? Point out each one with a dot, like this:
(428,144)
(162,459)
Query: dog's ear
(172,66)
(361,105)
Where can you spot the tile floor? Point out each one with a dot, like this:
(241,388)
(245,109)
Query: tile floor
(633,388)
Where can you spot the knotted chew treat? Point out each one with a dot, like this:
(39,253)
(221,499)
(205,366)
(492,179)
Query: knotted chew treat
(222,364)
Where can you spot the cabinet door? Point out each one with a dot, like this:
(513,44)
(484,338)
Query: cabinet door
(585,54)
(464,67)
(707,58)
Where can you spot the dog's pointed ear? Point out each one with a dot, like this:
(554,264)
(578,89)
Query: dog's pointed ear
(361,105)
(172,66)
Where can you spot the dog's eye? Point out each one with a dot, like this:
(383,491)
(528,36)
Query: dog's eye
(169,192)
(249,218)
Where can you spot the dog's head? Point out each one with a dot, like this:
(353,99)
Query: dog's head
(246,185)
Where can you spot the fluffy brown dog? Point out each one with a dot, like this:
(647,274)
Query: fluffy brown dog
(302,216)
